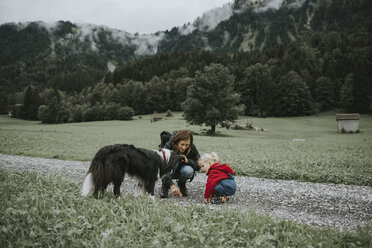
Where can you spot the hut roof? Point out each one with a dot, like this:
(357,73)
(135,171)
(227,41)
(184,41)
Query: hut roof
(354,116)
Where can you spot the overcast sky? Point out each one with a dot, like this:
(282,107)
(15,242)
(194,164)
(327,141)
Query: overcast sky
(142,16)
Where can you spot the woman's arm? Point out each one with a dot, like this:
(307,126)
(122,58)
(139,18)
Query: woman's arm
(167,182)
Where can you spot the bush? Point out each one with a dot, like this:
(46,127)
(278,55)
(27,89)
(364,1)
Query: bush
(156,117)
(89,114)
(76,113)
(226,124)
(168,113)
(53,114)
(125,113)
(111,111)
(16,110)
(45,114)
(249,125)
(62,115)
(238,127)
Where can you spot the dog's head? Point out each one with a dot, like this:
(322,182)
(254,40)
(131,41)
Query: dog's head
(172,158)
(164,138)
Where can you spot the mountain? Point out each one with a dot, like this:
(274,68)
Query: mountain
(253,25)
(64,55)
(324,40)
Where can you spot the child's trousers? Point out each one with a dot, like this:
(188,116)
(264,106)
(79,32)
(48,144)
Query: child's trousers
(225,187)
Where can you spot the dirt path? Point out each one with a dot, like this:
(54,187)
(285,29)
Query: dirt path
(324,205)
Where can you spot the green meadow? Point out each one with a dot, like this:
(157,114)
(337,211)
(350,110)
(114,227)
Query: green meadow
(47,211)
(299,148)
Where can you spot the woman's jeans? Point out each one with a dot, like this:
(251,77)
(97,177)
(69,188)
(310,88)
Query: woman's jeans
(183,174)
(226,187)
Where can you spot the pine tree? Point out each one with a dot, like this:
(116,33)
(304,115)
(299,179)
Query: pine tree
(323,93)
(347,94)
(31,103)
(291,97)
(256,89)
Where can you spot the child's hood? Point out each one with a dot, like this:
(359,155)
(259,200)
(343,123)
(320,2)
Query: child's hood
(223,167)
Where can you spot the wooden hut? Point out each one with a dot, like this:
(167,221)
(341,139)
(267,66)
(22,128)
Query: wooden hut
(348,123)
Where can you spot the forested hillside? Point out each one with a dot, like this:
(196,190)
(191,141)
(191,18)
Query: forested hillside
(299,58)
(253,25)
(63,55)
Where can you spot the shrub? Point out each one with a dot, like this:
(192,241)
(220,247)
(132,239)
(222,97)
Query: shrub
(168,113)
(156,117)
(45,114)
(125,113)
(89,115)
(111,111)
(16,110)
(76,114)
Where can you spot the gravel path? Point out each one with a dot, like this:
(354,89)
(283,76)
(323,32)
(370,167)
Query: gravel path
(323,205)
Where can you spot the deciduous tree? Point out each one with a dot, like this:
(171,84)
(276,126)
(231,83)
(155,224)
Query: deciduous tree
(210,98)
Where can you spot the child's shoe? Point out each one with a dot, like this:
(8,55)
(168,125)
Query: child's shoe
(216,200)
(219,200)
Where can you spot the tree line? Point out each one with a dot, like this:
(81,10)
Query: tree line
(331,70)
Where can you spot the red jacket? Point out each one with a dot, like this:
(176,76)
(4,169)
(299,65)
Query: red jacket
(216,173)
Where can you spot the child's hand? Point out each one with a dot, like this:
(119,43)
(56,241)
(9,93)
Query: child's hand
(206,201)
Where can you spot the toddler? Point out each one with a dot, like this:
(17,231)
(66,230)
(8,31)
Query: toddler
(220,182)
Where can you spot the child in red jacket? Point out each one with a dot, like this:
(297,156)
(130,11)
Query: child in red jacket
(220,182)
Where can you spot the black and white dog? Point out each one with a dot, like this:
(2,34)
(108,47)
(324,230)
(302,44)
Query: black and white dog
(111,163)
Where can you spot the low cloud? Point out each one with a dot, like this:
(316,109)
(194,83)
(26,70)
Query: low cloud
(209,20)
(272,4)
(277,4)
(147,44)
(297,4)
(88,32)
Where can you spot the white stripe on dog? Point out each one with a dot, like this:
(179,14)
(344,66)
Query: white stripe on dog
(88,186)
(167,154)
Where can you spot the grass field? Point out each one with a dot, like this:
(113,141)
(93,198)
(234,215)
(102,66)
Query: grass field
(47,211)
(43,211)
(300,148)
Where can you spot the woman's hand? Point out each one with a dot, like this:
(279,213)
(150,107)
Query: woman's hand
(184,158)
(175,191)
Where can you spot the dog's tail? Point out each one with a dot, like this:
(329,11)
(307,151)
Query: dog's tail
(95,176)
(88,185)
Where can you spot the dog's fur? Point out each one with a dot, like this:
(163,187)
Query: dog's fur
(111,163)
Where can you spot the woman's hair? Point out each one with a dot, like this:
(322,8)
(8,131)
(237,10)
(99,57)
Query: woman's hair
(182,135)
(209,158)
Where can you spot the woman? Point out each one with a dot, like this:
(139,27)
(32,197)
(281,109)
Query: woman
(181,142)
